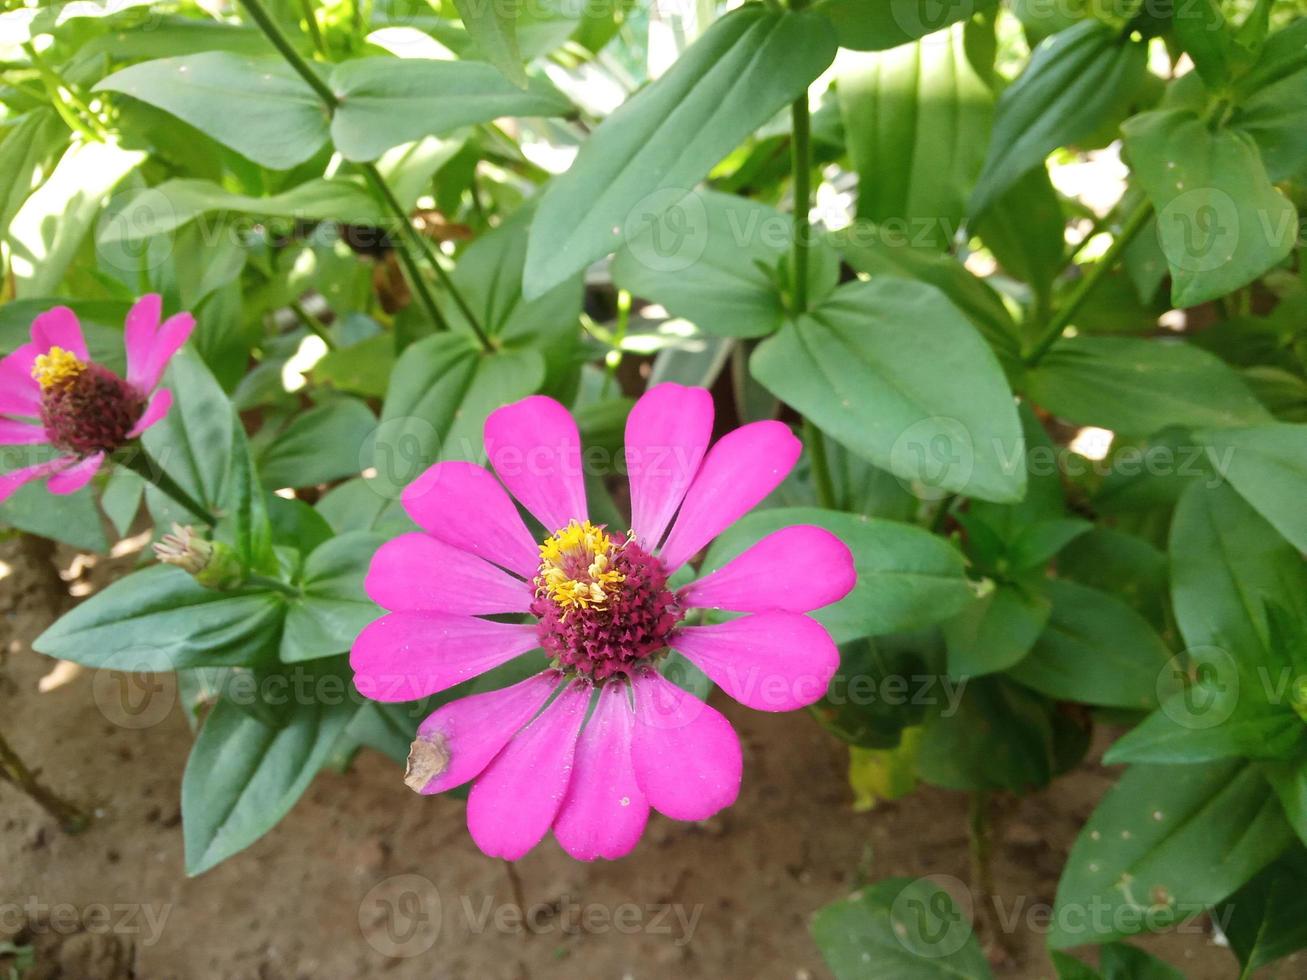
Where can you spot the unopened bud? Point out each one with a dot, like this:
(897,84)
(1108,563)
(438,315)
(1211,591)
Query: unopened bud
(213,564)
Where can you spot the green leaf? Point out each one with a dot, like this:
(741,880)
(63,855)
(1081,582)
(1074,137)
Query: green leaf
(73,519)
(1267,464)
(907,577)
(1024,228)
(1209,721)
(995,631)
(31,139)
(388,101)
(648,154)
(1096,650)
(175,203)
(876,25)
(441,391)
(1273,106)
(323,444)
(21,25)
(916,120)
(898,929)
(1221,221)
(1074,83)
(243,776)
(333,607)
(1266,919)
(713,258)
(893,371)
(493,26)
(162,619)
(257,106)
(1133,868)
(362,368)
(1200,28)
(1137,387)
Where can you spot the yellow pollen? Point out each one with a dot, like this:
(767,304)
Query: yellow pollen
(56,368)
(575,567)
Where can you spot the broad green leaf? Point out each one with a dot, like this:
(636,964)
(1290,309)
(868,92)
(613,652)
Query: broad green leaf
(995,631)
(175,203)
(876,25)
(441,391)
(916,119)
(27,143)
(72,519)
(323,444)
(162,619)
(714,258)
(1210,721)
(243,776)
(907,577)
(1024,228)
(893,371)
(1133,869)
(1137,387)
(1221,221)
(1273,106)
(648,154)
(388,101)
(1096,650)
(257,106)
(362,368)
(1123,564)
(1266,919)
(493,26)
(333,607)
(52,223)
(899,929)
(1267,464)
(1074,83)
(1200,28)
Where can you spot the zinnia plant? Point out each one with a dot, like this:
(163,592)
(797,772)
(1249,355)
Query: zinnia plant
(590,744)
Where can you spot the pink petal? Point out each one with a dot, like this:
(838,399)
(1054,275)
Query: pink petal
(772,661)
(739,471)
(535,449)
(169,339)
(160,403)
(604,812)
(75,477)
(11,481)
(19,392)
(686,756)
(59,328)
(469,732)
(15,433)
(416,571)
(513,804)
(667,433)
(795,569)
(463,505)
(138,338)
(404,656)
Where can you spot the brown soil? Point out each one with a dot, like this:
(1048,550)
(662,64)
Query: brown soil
(367,879)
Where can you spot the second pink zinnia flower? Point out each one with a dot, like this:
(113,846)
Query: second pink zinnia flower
(588,745)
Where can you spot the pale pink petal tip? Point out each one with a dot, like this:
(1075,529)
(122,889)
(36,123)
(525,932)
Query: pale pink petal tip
(167,342)
(158,407)
(795,569)
(514,802)
(138,338)
(10,482)
(535,449)
(74,477)
(771,661)
(667,434)
(59,328)
(686,756)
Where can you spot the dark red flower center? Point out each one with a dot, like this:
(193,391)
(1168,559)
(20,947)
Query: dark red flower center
(85,408)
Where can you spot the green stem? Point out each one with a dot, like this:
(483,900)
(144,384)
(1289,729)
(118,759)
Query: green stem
(139,462)
(293,58)
(1063,317)
(425,249)
(801,169)
(313,324)
(59,91)
(311,21)
(270,585)
(941,515)
(821,479)
(12,768)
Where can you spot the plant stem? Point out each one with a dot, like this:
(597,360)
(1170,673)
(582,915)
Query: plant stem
(311,21)
(801,170)
(313,324)
(59,90)
(71,819)
(816,443)
(293,58)
(941,515)
(140,463)
(1063,317)
(980,834)
(270,585)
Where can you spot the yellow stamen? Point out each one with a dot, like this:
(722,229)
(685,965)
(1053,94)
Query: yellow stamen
(56,368)
(575,567)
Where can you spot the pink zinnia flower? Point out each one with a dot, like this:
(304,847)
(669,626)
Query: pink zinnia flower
(588,745)
(52,393)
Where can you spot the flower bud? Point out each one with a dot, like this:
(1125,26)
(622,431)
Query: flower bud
(213,564)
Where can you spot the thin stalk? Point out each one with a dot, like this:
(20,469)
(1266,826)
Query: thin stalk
(425,248)
(71,818)
(941,515)
(981,836)
(801,169)
(293,58)
(139,462)
(821,478)
(311,21)
(313,324)
(1063,317)
(59,90)
(270,585)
